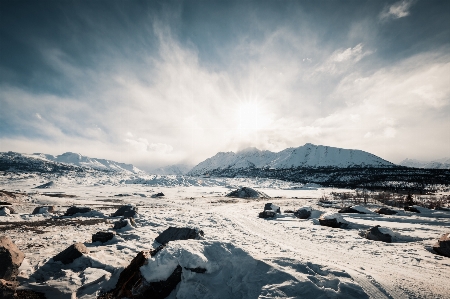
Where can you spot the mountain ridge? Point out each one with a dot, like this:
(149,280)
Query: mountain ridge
(308,155)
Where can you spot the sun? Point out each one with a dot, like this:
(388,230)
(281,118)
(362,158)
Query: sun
(249,116)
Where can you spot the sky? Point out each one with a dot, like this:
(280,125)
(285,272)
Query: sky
(155,83)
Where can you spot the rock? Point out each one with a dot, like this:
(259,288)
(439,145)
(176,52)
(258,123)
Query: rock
(411,209)
(43,210)
(77,210)
(71,253)
(5,211)
(267,214)
(289,211)
(303,213)
(124,222)
(178,233)
(160,194)
(442,246)
(246,192)
(8,289)
(376,235)
(269,206)
(102,236)
(332,220)
(386,211)
(10,258)
(132,284)
(350,210)
(196,270)
(126,211)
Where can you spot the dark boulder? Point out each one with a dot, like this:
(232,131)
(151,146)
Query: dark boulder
(411,209)
(8,289)
(442,246)
(350,210)
(333,220)
(77,210)
(126,211)
(302,213)
(271,207)
(44,209)
(10,259)
(178,233)
(289,211)
(386,211)
(375,234)
(71,253)
(123,222)
(330,223)
(267,214)
(160,194)
(102,236)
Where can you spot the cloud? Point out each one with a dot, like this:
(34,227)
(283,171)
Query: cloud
(397,10)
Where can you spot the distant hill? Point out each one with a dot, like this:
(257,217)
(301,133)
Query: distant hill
(443,163)
(177,169)
(68,161)
(307,156)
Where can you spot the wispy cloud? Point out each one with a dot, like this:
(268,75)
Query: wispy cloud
(397,10)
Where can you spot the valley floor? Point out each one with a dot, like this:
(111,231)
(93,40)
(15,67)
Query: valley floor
(286,256)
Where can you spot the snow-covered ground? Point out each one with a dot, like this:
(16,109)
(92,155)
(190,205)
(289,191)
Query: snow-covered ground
(245,256)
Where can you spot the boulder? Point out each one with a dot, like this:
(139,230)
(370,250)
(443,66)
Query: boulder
(246,192)
(386,211)
(5,211)
(71,253)
(43,210)
(350,210)
(411,209)
(10,258)
(375,234)
(160,194)
(303,213)
(124,222)
(126,211)
(332,220)
(178,233)
(442,246)
(77,210)
(270,206)
(131,284)
(102,236)
(8,289)
(289,211)
(267,214)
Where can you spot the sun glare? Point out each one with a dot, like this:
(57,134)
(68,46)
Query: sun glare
(249,116)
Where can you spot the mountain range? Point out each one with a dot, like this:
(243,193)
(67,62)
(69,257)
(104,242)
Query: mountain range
(308,156)
(443,163)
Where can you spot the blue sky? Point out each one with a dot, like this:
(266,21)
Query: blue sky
(160,82)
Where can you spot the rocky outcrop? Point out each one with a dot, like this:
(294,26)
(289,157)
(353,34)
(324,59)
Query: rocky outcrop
(77,210)
(102,237)
(8,289)
(5,211)
(126,211)
(178,233)
(375,234)
(10,259)
(385,211)
(442,246)
(124,222)
(71,253)
(267,214)
(246,192)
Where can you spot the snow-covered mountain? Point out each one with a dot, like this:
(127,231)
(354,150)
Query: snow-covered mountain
(308,155)
(176,169)
(443,163)
(82,161)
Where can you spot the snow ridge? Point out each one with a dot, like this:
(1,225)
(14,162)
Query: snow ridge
(308,155)
(443,163)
